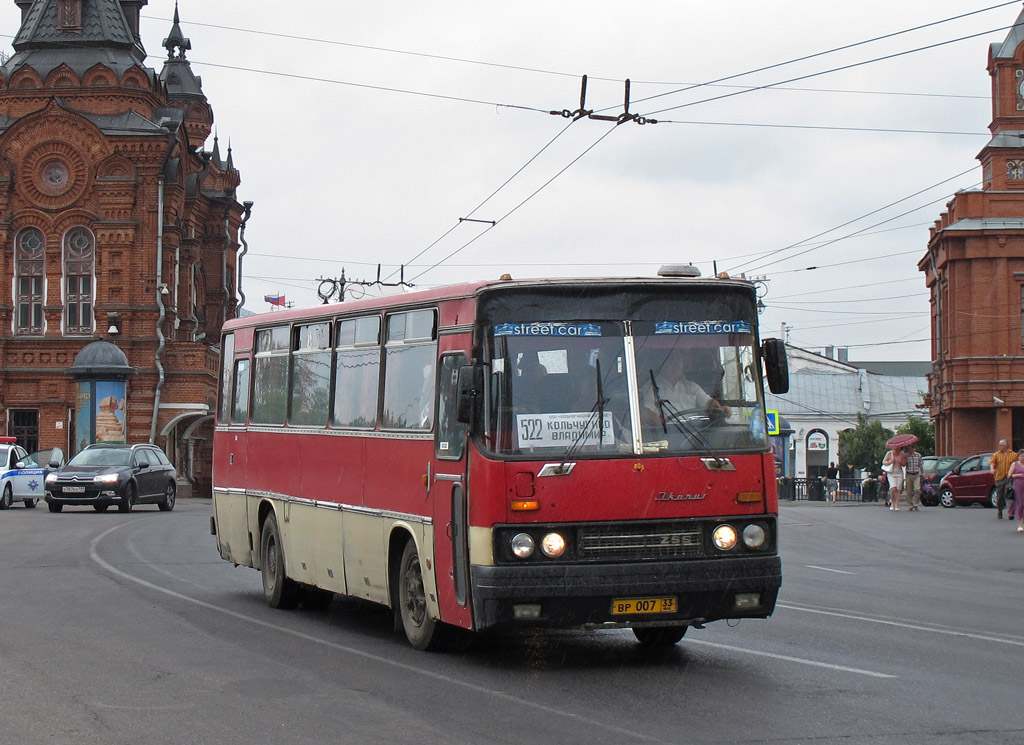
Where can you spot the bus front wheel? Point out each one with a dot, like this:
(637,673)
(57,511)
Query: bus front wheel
(278,590)
(422,631)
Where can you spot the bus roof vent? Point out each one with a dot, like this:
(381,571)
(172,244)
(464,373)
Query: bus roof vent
(679,270)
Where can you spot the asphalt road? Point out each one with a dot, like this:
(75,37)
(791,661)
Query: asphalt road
(892,628)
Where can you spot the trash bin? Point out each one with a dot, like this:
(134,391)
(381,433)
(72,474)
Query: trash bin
(787,489)
(816,490)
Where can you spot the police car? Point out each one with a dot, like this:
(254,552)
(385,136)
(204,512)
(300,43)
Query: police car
(21,476)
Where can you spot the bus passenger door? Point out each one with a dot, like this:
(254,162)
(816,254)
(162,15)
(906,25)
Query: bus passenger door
(448,487)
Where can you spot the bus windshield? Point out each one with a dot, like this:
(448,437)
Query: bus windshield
(596,388)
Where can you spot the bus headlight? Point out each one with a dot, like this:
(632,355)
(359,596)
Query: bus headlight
(754,536)
(724,537)
(553,545)
(522,545)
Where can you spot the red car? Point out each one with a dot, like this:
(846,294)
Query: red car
(969,482)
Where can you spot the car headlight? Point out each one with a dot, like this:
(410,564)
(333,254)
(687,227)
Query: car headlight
(754,536)
(553,545)
(522,545)
(51,478)
(105,478)
(724,537)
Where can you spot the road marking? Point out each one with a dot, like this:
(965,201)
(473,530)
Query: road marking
(826,569)
(903,624)
(787,658)
(430,674)
(352,650)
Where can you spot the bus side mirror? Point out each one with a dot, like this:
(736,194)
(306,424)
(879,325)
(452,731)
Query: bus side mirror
(471,387)
(773,352)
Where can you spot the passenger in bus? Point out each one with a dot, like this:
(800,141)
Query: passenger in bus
(529,385)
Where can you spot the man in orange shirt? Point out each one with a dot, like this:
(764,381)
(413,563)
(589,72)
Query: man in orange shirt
(999,465)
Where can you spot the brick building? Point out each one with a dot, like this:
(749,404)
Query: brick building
(975,271)
(116,225)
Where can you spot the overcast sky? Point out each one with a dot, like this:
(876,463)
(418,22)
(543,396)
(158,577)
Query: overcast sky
(365,131)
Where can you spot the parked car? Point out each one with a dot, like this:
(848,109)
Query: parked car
(933,469)
(102,475)
(969,482)
(23,476)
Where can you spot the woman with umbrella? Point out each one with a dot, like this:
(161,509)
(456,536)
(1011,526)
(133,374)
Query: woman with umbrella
(893,464)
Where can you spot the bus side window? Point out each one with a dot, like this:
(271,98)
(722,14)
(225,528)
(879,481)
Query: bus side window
(409,370)
(311,374)
(451,433)
(226,370)
(357,372)
(270,376)
(240,392)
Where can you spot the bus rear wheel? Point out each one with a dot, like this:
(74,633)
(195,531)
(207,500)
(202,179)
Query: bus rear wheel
(659,636)
(278,590)
(422,631)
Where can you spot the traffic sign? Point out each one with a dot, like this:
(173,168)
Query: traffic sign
(773,422)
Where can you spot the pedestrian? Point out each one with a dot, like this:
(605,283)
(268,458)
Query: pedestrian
(999,464)
(893,464)
(1016,473)
(832,481)
(913,481)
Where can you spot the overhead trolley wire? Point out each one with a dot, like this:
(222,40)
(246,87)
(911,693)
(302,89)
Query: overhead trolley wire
(804,242)
(831,51)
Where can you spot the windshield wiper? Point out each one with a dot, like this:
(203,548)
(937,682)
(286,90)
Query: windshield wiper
(588,427)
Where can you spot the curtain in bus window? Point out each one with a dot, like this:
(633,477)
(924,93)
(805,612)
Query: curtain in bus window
(311,375)
(355,388)
(270,376)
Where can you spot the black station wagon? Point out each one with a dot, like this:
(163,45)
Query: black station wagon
(102,475)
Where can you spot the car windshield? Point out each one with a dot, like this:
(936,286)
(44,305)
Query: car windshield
(601,387)
(102,457)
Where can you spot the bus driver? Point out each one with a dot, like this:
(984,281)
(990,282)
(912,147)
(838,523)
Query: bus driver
(675,375)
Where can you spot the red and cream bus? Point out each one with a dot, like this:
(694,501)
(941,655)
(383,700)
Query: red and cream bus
(507,454)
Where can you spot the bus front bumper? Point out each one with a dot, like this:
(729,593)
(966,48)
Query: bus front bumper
(592,595)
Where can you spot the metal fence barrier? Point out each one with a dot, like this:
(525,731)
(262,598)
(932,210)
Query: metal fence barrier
(813,490)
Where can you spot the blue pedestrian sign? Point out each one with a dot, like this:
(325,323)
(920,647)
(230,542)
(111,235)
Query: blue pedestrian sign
(772,418)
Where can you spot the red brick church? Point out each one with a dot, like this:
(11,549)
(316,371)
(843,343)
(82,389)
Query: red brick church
(975,271)
(120,235)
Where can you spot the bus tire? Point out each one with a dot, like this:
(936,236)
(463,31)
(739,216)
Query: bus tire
(278,590)
(422,631)
(659,636)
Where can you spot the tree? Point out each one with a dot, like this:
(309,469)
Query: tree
(863,446)
(925,432)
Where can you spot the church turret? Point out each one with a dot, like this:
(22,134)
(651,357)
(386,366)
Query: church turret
(1002,158)
(184,87)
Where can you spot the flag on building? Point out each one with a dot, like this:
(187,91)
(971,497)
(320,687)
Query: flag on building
(274,299)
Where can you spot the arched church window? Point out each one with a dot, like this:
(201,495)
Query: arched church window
(29,269)
(79,262)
